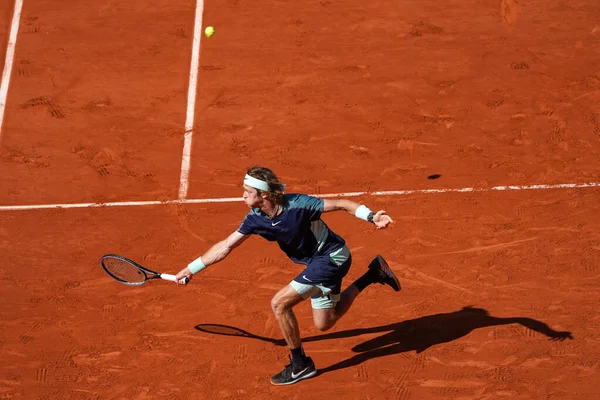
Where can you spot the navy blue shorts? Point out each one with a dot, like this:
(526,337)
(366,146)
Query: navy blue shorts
(326,272)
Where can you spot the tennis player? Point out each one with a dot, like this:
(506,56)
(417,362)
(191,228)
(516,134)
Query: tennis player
(294,221)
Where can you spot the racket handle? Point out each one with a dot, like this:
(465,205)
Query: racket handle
(173,278)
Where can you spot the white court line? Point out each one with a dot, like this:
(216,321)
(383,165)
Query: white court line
(10,55)
(327,195)
(191,105)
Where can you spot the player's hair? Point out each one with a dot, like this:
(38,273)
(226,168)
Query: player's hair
(275,192)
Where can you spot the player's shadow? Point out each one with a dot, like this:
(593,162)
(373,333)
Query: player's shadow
(421,333)
(416,334)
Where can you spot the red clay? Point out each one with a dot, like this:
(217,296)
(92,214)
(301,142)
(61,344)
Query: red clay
(334,98)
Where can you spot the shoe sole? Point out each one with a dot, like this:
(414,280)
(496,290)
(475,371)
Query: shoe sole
(309,375)
(385,268)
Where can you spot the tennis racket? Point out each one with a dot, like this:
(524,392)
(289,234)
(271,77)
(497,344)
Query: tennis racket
(129,272)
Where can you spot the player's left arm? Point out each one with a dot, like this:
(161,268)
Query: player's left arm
(379,218)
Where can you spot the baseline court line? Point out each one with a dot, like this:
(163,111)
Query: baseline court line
(10,55)
(327,195)
(191,105)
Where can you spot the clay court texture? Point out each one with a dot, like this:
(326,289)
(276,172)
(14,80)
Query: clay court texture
(498,257)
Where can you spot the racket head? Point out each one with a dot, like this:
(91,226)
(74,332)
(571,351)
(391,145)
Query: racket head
(125,270)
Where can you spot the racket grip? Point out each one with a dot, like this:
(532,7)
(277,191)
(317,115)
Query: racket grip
(173,278)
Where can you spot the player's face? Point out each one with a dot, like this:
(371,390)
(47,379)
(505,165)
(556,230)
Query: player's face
(251,197)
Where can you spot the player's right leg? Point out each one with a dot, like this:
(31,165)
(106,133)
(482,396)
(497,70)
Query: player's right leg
(282,304)
(300,366)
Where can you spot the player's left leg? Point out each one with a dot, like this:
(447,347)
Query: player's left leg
(328,304)
(328,308)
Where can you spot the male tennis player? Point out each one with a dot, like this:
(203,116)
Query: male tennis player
(294,221)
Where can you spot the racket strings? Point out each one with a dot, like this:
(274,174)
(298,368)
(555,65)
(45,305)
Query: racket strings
(124,271)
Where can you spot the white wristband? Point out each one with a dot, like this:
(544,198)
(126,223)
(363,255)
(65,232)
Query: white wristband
(362,212)
(197,265)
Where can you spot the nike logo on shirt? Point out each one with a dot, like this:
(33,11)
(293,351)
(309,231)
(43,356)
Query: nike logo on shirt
(275,223)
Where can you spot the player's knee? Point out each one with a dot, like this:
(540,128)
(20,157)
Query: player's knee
(324,322)
(324,325)
(278,305)
(275,304)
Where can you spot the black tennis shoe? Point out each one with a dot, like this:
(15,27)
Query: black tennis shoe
(292,373)
(385,275)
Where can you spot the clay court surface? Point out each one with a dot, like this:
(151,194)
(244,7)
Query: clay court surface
(500,288)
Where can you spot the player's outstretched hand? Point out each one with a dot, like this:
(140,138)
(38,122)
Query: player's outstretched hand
(381,219)
(184,273)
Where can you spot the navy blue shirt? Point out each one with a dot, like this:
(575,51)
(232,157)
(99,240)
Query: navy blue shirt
(298,229)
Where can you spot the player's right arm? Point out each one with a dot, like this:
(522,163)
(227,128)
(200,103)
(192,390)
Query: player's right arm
(215,254)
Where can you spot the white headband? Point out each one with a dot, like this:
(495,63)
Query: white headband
(258,184)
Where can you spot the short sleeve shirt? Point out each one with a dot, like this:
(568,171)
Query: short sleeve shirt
(298,229)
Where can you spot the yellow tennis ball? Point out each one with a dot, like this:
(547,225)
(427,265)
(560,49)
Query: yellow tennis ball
(209,31)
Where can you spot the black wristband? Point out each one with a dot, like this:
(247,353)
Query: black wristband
(370,217)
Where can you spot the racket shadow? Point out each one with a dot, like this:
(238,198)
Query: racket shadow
(227,330)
